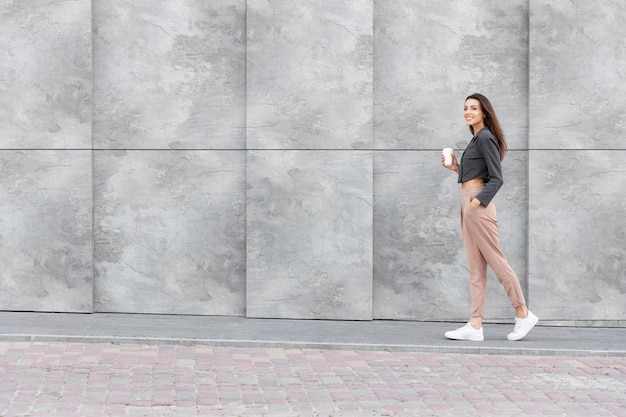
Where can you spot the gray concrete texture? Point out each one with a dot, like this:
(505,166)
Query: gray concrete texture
(280,159)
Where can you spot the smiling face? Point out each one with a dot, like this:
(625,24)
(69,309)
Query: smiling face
(474,115)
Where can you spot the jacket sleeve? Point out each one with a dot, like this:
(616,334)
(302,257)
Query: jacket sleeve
(491,153)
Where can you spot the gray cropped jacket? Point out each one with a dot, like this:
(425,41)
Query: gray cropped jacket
(481,159)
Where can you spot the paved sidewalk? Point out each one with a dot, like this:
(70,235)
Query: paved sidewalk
(54,365)
(397,336)
(102,379)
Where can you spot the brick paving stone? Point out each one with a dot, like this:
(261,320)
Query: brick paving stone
(67,379)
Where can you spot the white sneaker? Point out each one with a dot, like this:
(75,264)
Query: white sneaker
(466,332)
(523,326)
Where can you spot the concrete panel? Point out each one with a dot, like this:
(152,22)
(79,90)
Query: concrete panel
(170,232)
(577,74)
(309,74)
(170,75)
(46,247)
(577,253)
(420,265)
(309,228)
(45,74)
(429,56)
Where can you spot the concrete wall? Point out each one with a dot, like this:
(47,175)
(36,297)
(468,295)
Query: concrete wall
(281,158)
(577,169)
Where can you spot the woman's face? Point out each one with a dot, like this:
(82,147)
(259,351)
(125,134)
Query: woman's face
(473,114)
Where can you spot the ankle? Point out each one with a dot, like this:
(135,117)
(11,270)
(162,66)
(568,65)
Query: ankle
(477,325)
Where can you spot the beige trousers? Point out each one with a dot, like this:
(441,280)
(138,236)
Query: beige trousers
(482,243)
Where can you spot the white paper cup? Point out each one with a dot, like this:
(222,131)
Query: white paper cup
(447,153)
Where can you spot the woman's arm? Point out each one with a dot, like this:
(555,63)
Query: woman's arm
(491,154)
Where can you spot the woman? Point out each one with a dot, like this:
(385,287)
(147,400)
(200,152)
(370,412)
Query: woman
(480,175)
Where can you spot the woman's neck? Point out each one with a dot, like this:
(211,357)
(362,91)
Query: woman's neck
(477,129)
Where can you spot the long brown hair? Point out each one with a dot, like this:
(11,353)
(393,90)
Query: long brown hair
(491,121)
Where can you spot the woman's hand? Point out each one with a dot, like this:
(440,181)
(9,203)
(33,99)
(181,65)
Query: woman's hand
(455,164)
(475,203)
